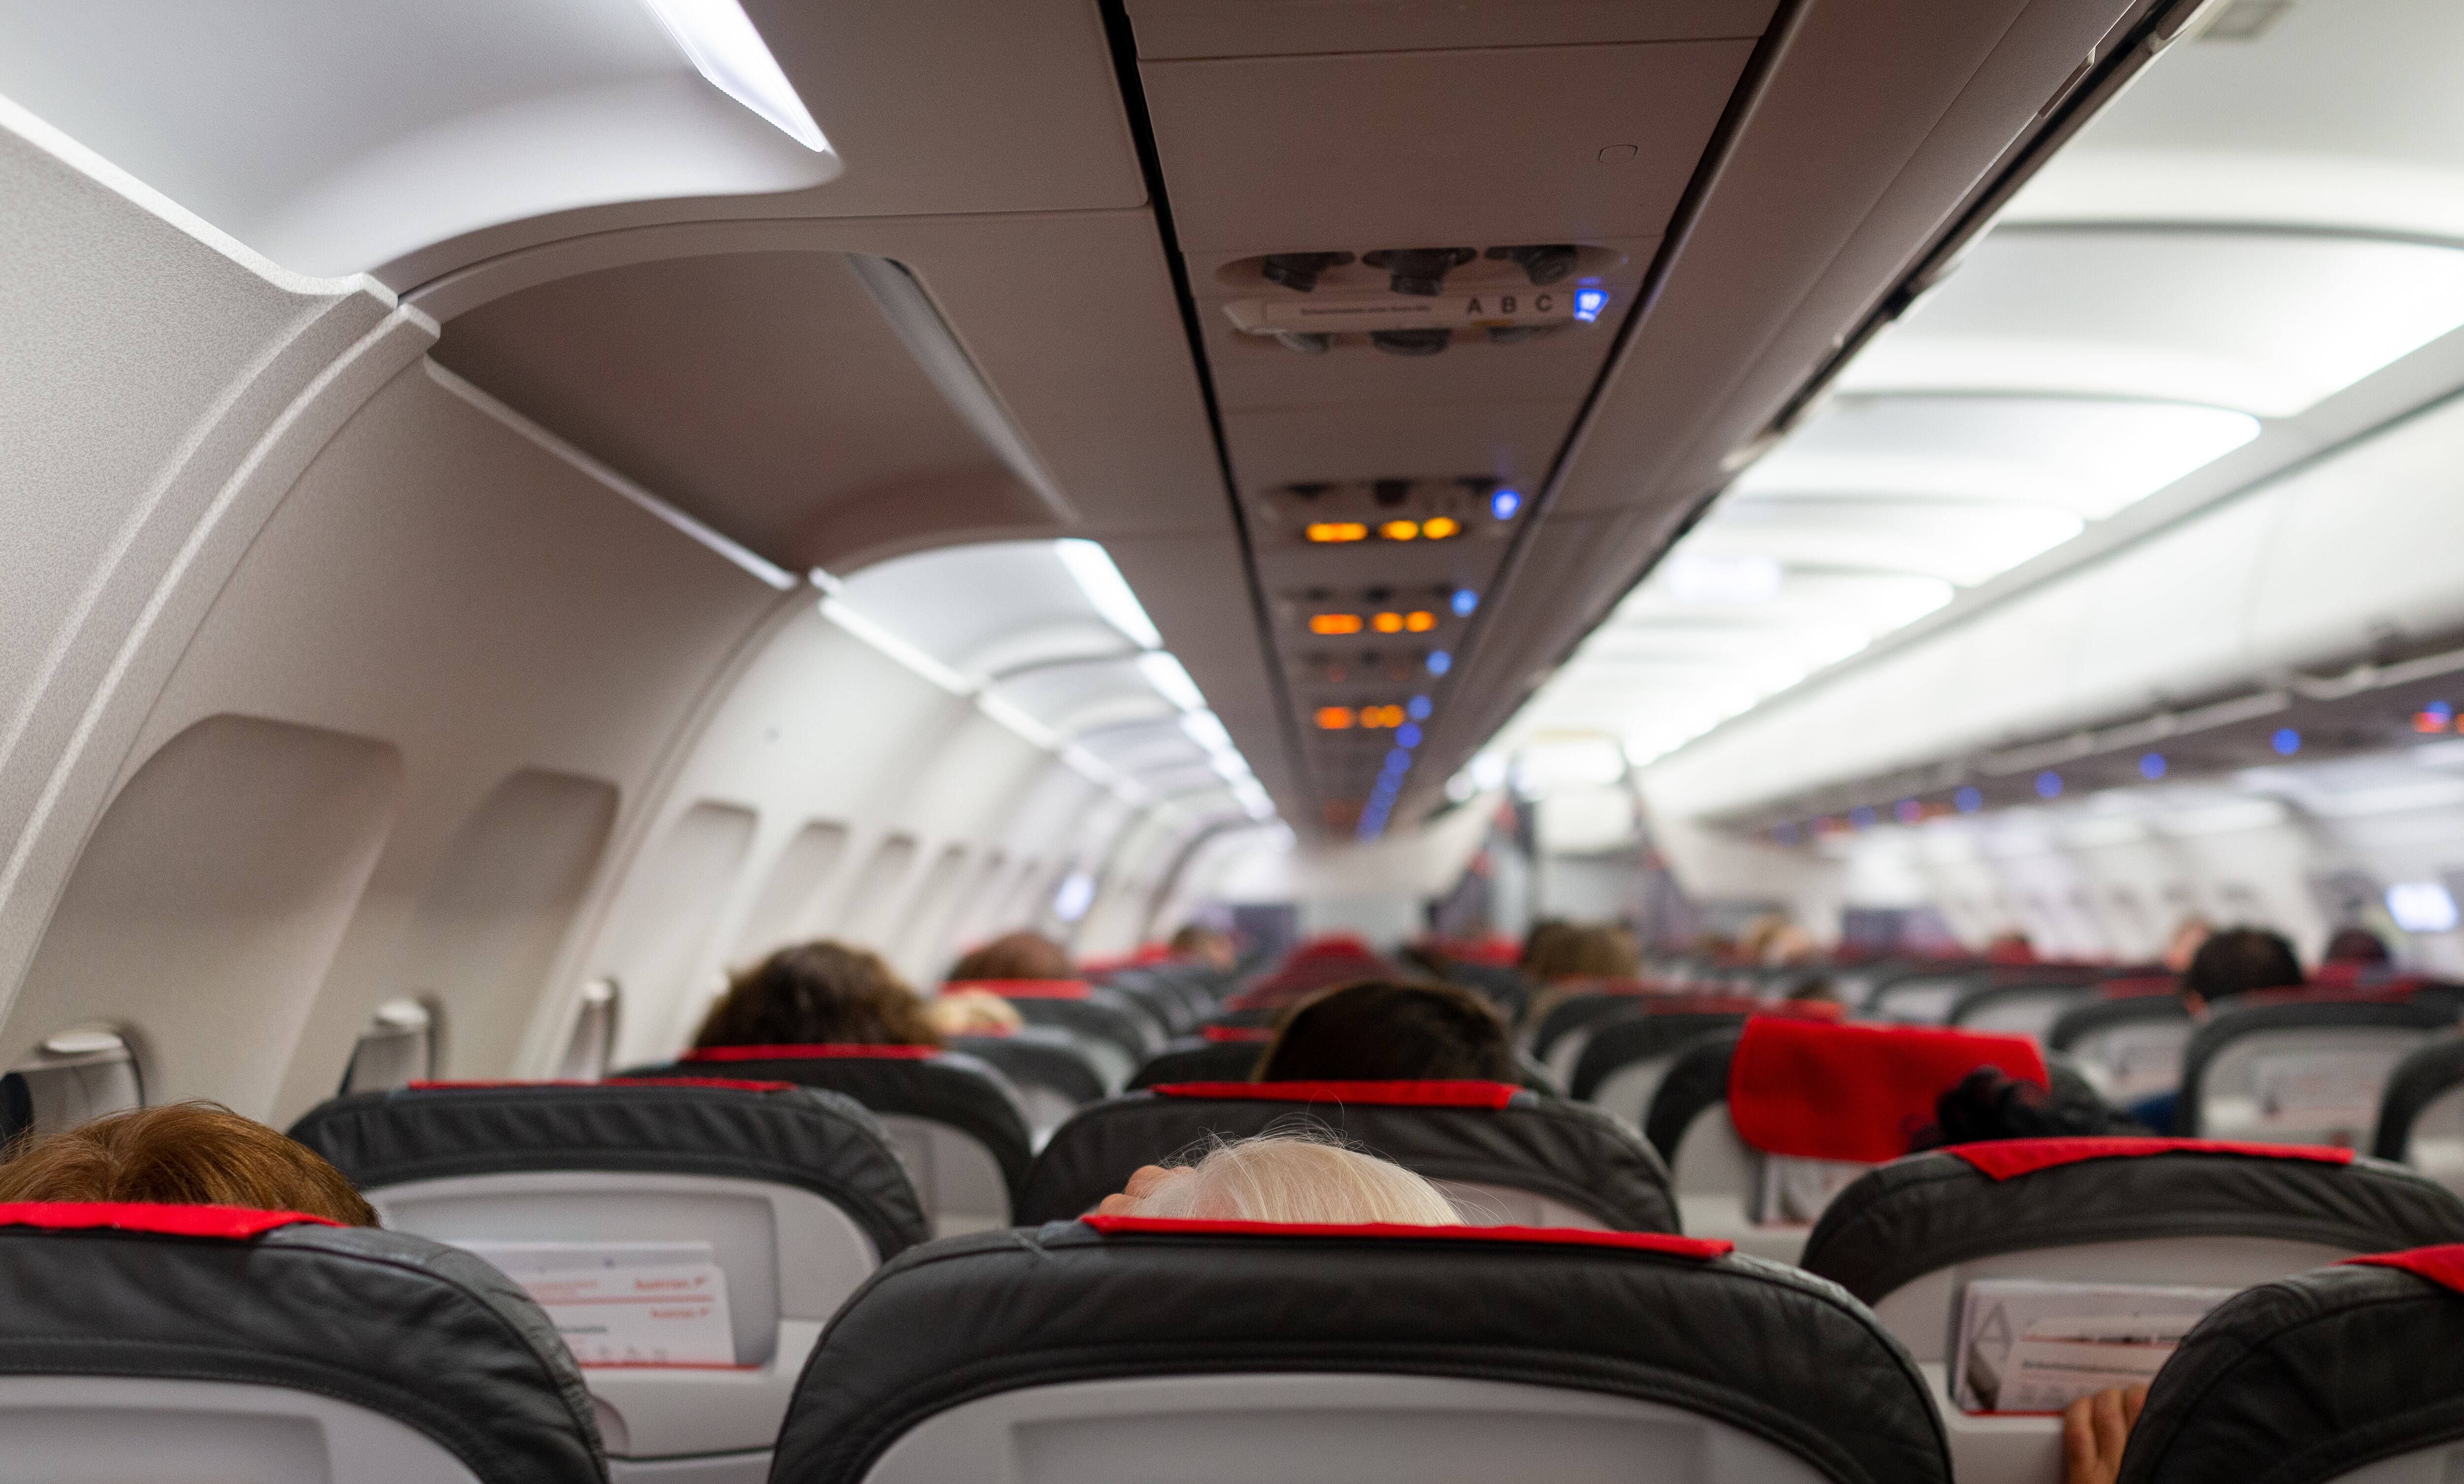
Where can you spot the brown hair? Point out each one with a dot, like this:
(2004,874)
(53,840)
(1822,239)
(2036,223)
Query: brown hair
(1015,955)
(1590,952)
(1381,1030)
(182,1154)
(818,993)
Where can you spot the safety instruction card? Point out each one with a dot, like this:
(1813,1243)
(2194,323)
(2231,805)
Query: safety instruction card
(2029,1345)
(624,1303)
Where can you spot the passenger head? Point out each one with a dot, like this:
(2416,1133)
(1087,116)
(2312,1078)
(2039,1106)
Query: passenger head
(2010,945)
(1196,943)
(1590,950)
(972,1013)
(1016,955)
(1987,1105)
(1380,1030)
(2184,946)
(2237,961)
(1536,941)
(1284,1178)
(818,993)
(182,1154)
(2356,945)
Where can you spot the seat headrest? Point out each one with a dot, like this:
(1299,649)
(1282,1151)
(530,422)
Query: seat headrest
(815,1052)
(2442,1265)
(1462,1093)
(1242,1034)
(1658,1318)
(1025,989)
(1852,1091)
(1475,1133)
(414,1330)
(1667,1244)
(775,1132)
(1915,1215)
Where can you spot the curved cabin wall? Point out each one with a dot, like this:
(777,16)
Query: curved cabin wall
(325,684)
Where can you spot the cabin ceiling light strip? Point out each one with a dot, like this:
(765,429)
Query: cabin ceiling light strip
(945,363)
(720,40)
(1091,568)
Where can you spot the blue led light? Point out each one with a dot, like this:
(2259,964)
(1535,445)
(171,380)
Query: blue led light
(1504,503)
(1407,735)
(2152,767)
(2048,785)
(1908,810)
(1588,302)
(1439,662)
(1967,800)
(1464,601)
(1417,708)
(1861,817)
(2286,741)
(1398,760)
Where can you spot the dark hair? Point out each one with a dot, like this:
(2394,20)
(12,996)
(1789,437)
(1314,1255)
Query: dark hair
(1987,1105)
(2356,945)
(2239,960)
(182,1154)
(818,993)
(1015,955)
(1383,1030)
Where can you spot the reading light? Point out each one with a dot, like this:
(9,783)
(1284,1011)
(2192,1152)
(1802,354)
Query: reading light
(1399,762)
(1325,531)
(1401,530)
(1091,567)
(1334,624)
(1464,601)
(1420,621)
(1408,734)
(1440,527)
(2152,767)
(2286,741)
(1503,503)
(719,38)
(1387,624)
(1967,800)
(2048,785)
(1333,718)
(2436,716)
(1439,662)
(1417,708)
(1588,302)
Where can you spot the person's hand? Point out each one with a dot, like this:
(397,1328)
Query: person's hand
(1143,1183)
(2094,1429)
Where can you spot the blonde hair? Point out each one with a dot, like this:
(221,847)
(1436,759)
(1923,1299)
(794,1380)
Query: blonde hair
(1291,1178)
(973,1013)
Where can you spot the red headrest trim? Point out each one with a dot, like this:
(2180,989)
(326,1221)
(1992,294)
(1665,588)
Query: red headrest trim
(814,1053)
(2139,988)
(235,1222)
(1463,1094)
(422,1084)
(1223,1034)
(1025,989)
(2443,1266)
(1702,1249)
(737,1083)
(2012,1157)
(1855,1092)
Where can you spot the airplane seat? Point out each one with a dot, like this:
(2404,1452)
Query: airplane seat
(1116,1036)
(2018,1008)
(794,1195)
(1157,996)
(2421,1115)
(1923,997)
(1624,1059)
(2128,1046)
(1216,1054)
(2350,1374)
(1910,1236)
(957,1124)
(1505,1155)
(184,1344)
(2301,1071)
(1557,1040)
(1122,1350)
(1762,1125)
(1047,1066)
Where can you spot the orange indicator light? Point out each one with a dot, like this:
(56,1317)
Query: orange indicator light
(1336,531)
(1401,530)
(1387,624)
(1333,718)
(1440,527)
(1336,624)
(1382,716)
(1421,621)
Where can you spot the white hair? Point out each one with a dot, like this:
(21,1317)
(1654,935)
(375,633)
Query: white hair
(1289,1178)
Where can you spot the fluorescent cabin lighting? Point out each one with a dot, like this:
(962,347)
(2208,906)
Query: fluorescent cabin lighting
(717,38)
(2421,906)
(1171,682)
(1704,578)
(1206,730)
(1091,567)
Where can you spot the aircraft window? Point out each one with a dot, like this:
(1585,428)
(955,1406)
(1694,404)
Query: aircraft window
(398,1048)
(591,1046)
(73,1077)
